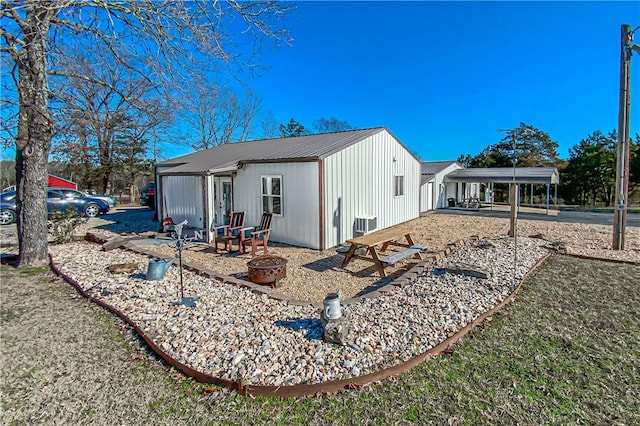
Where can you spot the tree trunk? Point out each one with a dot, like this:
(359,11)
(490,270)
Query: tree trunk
(33,140)
(133,191)
(106,165)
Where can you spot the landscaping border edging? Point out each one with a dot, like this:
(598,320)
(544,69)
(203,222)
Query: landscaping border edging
(359,381)
(603,259)
(186,370)
(300,390)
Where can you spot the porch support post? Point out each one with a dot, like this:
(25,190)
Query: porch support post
(531,195)
(492,195)
(547,198)
(207,213)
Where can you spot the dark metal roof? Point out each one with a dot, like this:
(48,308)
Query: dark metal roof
(301,148)
(540,175)
(433,167)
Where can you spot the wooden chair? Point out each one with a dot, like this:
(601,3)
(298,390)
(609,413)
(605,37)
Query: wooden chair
(257,236)
(167,224)
(225,234)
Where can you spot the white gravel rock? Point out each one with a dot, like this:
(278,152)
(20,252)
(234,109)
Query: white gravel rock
(235,334)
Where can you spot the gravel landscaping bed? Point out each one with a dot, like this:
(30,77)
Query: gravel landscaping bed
(564,352)
(234,334)
(312,274)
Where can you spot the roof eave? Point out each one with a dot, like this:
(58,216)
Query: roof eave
(495,179)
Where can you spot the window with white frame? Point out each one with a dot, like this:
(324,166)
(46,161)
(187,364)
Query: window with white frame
(398,186)
(272,194)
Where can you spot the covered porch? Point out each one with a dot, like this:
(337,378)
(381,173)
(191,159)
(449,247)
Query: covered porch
(203,197)
(534,185)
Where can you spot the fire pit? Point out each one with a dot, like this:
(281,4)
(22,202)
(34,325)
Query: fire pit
(267,269)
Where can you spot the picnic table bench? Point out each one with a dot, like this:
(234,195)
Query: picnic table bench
(402,254)
(384,238)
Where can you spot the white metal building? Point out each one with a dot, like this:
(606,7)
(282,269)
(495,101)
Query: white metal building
(432,187)
(322,189)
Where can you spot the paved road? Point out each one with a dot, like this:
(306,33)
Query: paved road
(597,218)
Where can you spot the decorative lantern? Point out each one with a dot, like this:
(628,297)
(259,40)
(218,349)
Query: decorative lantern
(332,308)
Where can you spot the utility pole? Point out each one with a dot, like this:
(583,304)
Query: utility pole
(622,164)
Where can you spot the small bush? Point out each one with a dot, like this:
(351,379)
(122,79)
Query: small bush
(62,224)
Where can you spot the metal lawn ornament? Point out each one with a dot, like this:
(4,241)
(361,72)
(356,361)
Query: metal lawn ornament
(180,241)
(513,228)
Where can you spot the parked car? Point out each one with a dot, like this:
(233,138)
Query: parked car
(148,195)
(8,207)
(86,206)
(8,195)
(74,193)
(56,201)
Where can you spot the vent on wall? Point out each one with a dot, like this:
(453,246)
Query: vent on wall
(366,224)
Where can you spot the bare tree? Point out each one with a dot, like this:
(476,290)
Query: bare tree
(161,41)
(7,173)
(332,124)
(269,126)
(218,116)
(96,115)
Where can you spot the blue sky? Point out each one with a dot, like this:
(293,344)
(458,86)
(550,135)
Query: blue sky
(443,76)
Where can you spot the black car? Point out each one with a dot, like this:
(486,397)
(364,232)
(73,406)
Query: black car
(56,201)
(148,195)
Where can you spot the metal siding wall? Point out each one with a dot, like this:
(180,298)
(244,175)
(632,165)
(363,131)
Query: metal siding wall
(299,223)
(441,194)
(359,182)
(182,199)
(426,196)
(348,177)
(159,191)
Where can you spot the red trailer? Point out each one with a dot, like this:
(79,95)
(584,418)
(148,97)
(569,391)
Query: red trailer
(58,182)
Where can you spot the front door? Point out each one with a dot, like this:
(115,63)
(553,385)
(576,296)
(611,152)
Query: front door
(223,200)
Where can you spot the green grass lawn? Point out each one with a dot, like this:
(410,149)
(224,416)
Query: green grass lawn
(567,351)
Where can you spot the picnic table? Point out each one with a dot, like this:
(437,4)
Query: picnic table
(384,238)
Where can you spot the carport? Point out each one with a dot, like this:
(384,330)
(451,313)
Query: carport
(523,176)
